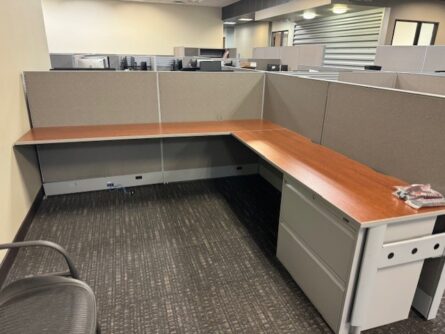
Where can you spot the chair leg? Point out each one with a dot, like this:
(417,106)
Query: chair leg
(98,331)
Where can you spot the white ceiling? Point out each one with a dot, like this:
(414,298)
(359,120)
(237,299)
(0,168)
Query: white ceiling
(208,3)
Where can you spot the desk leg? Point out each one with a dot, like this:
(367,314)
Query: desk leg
(432,281)
(368,270)
(430,289)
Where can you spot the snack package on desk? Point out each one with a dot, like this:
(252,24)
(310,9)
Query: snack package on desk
(419,196)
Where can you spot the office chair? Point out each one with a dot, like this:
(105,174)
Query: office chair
(51,303)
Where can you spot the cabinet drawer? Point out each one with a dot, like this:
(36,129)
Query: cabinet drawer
(323,232)
(314,279)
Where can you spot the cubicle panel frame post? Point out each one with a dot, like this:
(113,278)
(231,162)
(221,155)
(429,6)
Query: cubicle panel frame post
(366,275)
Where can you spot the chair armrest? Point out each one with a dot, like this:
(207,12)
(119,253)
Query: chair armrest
(49,244)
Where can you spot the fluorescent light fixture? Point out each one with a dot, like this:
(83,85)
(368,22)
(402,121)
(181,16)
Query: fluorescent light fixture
(229,22)
(339,9)
(245,19)
(309,15)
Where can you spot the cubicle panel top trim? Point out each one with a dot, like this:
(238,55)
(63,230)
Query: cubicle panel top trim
(358,191)
(75,134)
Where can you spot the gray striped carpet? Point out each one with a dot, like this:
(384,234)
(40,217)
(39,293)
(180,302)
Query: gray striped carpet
(194,257)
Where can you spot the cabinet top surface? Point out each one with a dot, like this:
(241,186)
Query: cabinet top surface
(355,189)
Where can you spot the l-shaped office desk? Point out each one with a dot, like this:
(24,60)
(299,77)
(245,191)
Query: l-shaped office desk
(355,250)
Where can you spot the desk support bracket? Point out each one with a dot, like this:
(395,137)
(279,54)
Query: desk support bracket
(412,250)
(377,255)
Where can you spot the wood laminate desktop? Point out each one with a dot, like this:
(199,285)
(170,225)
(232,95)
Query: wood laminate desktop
(344,238)
(75,134)
(357,190)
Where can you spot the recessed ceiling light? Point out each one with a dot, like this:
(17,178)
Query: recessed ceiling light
(339,9)
(309,15)
(229,22)
(245,19)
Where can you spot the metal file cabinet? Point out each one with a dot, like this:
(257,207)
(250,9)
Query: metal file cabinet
(316,245)
(326,254)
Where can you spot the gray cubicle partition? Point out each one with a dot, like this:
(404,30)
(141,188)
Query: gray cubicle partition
(296,103)
(208,97)
(94,98)
(200,96)
(206,157)
(432,84)
(91,166)
(91,98)
(68,161)
(293,56)
(68,168)
(400,58)
(395,132)
(370,78)
(434,59)
(411,58)
(416,82)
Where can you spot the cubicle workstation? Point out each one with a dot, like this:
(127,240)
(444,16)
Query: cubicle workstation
(334,150)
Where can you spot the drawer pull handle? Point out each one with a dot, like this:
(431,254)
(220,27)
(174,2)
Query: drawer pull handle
(436,246)
(390,255)
(414,251)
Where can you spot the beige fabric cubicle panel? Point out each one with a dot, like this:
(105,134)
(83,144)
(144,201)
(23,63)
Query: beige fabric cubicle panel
(401,58)
(395,132)
(432,84)
(293,56)
(379,79)
(210,96)
(91,98)
(76,161)
(312,55)
(268,52)
(296,103)
(435,59)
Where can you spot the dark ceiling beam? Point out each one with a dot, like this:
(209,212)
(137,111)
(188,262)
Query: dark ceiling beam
(243,7)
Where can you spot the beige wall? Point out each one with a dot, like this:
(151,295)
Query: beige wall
(251,35)
(23,47)
(108,26)
(420,11)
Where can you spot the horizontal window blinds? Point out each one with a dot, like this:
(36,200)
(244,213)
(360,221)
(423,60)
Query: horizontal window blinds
(351,39)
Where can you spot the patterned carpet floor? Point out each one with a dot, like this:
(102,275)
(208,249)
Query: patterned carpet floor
(193,257)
